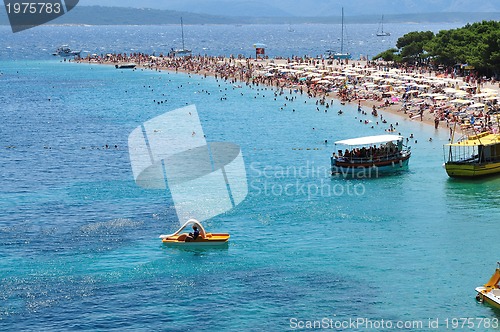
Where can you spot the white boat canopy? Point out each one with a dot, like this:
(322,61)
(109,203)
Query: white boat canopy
(370,140)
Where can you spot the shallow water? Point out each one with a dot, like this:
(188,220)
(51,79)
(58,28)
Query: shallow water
(78,238)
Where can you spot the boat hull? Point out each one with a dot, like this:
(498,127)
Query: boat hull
(125,66)
(215,239)
(341,56)
(491,297)
(471,170)
(370,169)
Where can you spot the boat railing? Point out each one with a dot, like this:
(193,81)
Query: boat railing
(362,160)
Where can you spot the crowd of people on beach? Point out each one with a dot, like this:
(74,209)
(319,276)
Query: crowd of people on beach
(416,92)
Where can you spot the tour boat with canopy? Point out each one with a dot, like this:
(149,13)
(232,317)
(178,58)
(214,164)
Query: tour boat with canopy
(370,155)
(473,156)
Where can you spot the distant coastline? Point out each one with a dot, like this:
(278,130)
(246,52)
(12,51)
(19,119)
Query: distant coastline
(101,15)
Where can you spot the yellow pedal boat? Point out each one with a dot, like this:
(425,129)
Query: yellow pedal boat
(490,292)
(203,239)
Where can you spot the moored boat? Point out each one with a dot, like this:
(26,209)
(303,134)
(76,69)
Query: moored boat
(381,32)
(340,55)
(181,51)
(65,51)
(190,239)
(370,155)
(473,156)
(490,292)
(125,66)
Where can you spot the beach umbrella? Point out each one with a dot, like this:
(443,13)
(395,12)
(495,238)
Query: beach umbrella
(461,101)
(450,90)
(400,87)
(440,97)
(488,90)
(477,105)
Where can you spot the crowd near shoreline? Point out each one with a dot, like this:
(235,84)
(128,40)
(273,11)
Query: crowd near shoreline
(441,98)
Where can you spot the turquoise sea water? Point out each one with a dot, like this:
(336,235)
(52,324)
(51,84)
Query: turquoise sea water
(79,243)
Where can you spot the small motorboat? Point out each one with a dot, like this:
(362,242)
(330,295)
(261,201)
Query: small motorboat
(65,51)
(490,292)
(125,66)
(203,239)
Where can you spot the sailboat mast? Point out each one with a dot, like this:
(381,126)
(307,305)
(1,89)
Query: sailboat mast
(342,35)
(382,23)
(182,33)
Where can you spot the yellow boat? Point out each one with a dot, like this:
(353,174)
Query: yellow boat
(490,292)
(203,239)
(473,156)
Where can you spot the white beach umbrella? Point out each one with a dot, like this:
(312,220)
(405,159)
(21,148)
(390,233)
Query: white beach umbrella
(460,101)
(440,97)
(450,90)
(477,105)
(489,90)
(400,87)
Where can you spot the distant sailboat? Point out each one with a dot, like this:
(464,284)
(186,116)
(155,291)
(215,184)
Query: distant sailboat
(340,55)
(183,50)
(381,32)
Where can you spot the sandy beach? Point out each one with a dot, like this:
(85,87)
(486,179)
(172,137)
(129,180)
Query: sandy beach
(437,98)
